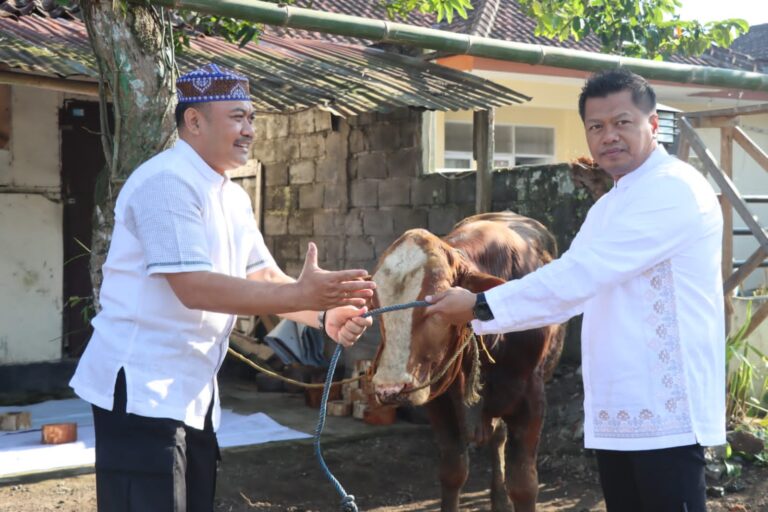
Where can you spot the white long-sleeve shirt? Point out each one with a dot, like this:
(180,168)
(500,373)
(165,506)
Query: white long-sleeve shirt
(645,269)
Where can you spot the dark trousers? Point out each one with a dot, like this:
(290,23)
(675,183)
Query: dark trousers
(667,480)
(152,464)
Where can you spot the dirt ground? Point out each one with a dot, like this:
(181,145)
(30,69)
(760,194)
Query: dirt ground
(390,472)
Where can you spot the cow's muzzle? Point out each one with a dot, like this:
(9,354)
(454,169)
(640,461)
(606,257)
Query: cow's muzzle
(393,393)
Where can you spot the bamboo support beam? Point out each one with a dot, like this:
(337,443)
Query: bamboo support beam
(465,44)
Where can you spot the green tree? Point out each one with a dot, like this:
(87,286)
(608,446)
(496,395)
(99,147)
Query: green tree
(649,29)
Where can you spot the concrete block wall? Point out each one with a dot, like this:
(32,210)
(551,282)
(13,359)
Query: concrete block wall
(353,186)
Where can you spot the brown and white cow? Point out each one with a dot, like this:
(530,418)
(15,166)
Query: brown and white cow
(482,251)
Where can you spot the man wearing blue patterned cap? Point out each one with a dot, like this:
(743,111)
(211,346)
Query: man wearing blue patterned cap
(185,258)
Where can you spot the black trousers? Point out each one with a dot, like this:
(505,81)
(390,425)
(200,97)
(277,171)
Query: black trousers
(152,464)
(667,480)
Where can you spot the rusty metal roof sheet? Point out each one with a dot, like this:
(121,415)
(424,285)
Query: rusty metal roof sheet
(286,75)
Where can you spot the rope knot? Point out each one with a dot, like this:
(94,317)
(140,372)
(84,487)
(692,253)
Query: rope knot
(348,504)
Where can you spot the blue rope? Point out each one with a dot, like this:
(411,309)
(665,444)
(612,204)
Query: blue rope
(347,500)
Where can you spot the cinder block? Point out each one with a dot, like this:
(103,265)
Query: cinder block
(409,218)
(311,196)
(377,222)
(405,162)
(364,192)
(359,248)
(442,220)
(371,165)
(302,172)
(300,222)
(395,192)
(428,190)
(275,174)
(275,223)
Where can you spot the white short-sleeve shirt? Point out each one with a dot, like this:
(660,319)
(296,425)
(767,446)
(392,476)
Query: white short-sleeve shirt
(174,214)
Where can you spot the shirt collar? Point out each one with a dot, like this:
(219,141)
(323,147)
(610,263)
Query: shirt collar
(652,161)
(198,163)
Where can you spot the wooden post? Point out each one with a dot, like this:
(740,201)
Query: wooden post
(726,164)
(483,145)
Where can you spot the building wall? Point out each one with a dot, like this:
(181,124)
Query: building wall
(31,231)
(354,186)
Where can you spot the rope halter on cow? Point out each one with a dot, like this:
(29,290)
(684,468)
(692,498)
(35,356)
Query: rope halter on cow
(472,394)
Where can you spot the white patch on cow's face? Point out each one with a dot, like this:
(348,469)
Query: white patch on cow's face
(399,280)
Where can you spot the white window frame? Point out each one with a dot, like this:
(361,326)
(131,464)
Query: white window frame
(509,157)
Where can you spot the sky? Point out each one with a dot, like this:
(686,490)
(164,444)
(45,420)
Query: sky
(754,11)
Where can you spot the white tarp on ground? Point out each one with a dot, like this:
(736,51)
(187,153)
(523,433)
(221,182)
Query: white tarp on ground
(22,452)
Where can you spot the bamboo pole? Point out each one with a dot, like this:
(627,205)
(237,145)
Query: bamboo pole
(455,43)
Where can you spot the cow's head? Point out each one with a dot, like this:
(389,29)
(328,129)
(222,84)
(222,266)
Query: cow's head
(415,347)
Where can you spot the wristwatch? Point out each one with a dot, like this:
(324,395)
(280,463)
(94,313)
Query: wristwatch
(482,310)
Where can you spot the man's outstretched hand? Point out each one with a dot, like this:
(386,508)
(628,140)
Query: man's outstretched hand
(323,289)
(453,305)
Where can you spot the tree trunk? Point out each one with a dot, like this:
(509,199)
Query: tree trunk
(134,51)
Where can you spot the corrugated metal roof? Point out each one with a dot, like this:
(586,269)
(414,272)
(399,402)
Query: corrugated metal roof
(286,75)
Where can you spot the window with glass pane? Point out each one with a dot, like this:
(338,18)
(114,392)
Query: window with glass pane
(458,145)
(515,145)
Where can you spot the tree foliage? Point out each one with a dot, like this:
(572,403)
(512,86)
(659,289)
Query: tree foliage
(443,9)
(649,29)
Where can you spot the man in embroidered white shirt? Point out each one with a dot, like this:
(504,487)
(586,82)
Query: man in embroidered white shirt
(644,270)
(185,258)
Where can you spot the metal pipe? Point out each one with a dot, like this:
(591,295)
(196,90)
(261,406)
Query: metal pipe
(455,43)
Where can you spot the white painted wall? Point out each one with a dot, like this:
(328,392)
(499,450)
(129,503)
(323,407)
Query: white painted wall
(31,232)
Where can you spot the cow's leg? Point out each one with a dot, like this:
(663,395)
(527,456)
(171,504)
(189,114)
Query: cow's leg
(524,430)
(499,499)
(448,423)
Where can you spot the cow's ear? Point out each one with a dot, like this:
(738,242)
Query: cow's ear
(477,282)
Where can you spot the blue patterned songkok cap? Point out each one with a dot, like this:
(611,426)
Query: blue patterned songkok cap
(212,83)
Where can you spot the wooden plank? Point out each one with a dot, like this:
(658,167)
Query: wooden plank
(750,147)
(757,318)
(484,147)
(683,149)
(724,182)
(734,111)
(713,122)
(747,268)
(726,164)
